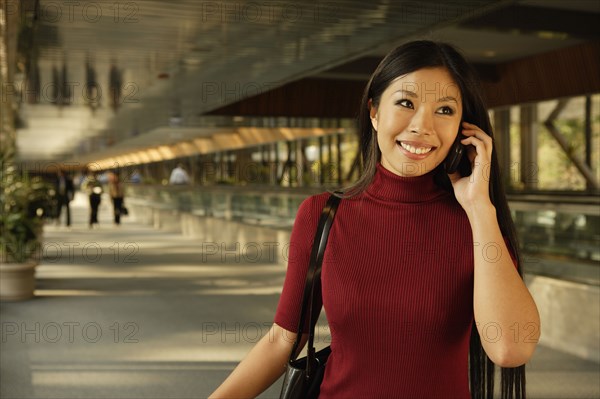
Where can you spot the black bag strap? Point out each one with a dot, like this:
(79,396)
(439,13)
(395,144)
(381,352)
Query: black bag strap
(313,281)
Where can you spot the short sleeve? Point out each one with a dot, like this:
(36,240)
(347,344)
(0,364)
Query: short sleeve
(303,233)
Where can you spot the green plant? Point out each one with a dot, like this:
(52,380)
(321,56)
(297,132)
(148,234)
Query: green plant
(20,226)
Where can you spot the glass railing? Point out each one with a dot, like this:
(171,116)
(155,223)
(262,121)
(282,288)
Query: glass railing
(559,236)
(266,206)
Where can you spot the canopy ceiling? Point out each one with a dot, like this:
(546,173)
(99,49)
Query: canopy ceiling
(178,60)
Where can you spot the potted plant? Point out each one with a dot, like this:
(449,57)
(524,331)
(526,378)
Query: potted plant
(20,230)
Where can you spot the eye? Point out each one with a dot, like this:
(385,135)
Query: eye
(446,111)
(405,103)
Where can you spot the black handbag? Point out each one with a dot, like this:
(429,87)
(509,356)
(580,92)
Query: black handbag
(303,376)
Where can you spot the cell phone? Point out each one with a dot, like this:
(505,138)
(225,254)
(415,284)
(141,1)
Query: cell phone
(452,161)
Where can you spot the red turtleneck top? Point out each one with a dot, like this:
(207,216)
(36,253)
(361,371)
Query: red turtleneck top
(397,288)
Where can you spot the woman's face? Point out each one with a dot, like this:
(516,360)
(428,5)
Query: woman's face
(417,120)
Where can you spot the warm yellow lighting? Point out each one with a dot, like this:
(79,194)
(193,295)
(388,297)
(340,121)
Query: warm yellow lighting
(121,161)
(186,148)
(204,145)
(228,141)
(134,158)
(166,152)
(254,135)
(287,133)
(552,35)
(153,154)
(144,157)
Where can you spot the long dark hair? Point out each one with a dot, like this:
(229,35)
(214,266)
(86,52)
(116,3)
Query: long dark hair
(407,58)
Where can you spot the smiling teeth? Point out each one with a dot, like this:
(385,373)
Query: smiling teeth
(414,150)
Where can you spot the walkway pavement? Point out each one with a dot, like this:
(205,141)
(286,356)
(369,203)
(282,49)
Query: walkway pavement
(133,312)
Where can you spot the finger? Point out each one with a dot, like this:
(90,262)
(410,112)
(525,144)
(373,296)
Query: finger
(482,135)
(481,161)
(474,141)
(470,125)
(480,148)
(483,138)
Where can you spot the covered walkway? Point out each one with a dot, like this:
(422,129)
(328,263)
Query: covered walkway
(257,102)
(140,321)
(137,312)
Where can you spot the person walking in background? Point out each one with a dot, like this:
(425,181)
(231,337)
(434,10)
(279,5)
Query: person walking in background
(117,193)
(94,190)
(64,195)
(179,175)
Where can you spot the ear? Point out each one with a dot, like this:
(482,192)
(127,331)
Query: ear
(373,114)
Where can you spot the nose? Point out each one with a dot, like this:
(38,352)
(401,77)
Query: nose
(421,122)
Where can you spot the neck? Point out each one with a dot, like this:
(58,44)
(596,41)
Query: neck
(391,187)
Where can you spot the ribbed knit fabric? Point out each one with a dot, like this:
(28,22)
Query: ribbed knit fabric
(397,285)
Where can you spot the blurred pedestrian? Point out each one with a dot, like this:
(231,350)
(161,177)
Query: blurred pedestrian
(179,175)
(117,193)
(94,190)
(64,195)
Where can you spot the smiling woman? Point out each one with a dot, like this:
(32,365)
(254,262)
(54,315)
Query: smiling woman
(421,277)
(416,128)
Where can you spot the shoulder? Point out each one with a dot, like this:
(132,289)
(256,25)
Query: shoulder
(313,203)
(312,206)
(309,210)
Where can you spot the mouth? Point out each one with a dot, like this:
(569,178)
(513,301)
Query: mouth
(414,150)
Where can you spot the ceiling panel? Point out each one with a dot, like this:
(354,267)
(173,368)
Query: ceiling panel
(180,59)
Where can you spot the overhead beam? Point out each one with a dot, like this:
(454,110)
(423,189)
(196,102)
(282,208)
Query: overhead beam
(571,71)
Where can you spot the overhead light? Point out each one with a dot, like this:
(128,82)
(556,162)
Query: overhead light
(543,34)
(192,60)
(311,152)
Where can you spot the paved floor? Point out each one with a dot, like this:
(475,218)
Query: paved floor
(133,312)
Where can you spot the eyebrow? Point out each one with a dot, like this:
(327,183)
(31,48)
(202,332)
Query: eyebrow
(408,93)
(446,99)
(415,95)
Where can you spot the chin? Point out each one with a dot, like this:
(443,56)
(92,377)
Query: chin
(402,165)
(413,169)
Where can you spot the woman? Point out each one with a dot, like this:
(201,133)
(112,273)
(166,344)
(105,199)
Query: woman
(116,191)
(421,280)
